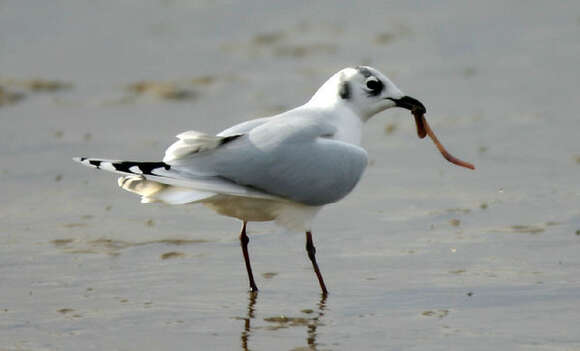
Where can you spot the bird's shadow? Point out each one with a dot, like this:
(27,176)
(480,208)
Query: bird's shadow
(311,319)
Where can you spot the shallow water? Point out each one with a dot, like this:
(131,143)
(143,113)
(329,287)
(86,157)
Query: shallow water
(421,256)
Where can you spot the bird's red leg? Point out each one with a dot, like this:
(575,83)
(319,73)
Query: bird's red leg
(311,254)
(244,243)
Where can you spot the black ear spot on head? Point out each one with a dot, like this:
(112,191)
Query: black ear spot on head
(344,90)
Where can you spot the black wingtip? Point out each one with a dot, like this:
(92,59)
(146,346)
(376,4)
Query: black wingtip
(144,167)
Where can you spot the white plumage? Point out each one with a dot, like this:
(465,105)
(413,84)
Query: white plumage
(282,168)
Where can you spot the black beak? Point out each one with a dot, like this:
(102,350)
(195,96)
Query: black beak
(410,104)
(417,109)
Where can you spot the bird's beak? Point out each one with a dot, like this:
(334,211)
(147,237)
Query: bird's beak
(418,110)
(410,104)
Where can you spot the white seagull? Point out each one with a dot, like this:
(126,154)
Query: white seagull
(283,168)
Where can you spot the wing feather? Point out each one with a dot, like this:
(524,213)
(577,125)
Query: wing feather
(294,158)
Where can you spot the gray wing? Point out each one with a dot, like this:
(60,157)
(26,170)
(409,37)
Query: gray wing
(244,127)
(295,158)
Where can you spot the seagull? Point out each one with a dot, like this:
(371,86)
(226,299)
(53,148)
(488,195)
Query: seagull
(283,168)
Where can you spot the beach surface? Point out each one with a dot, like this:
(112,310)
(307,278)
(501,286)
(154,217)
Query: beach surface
(423,255)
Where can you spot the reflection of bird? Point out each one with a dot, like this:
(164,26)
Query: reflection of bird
(315,322)
(247,320)
(282,168)
(312,322)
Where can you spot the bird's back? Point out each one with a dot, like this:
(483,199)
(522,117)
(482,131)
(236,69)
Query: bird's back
(293,156)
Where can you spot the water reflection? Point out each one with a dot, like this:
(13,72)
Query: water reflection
(315,323)
(253,295)
(312,319)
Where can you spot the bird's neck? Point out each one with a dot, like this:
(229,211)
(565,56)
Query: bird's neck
(336,111)
(348,124)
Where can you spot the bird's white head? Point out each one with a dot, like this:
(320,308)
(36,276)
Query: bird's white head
(365,90)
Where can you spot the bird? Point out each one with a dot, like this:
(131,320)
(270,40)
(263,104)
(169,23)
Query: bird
(284,168)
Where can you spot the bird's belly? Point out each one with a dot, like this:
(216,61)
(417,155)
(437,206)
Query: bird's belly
(244,208)
(288,214)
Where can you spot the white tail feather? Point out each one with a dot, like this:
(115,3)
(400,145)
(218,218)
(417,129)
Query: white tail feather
(156,192)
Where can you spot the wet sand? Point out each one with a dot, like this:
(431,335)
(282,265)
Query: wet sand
(423,255)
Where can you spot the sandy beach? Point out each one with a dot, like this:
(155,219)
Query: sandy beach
(422,255)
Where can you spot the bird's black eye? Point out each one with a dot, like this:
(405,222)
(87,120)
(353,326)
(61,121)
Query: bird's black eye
(374,85)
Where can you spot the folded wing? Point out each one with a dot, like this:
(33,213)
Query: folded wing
(294,158)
